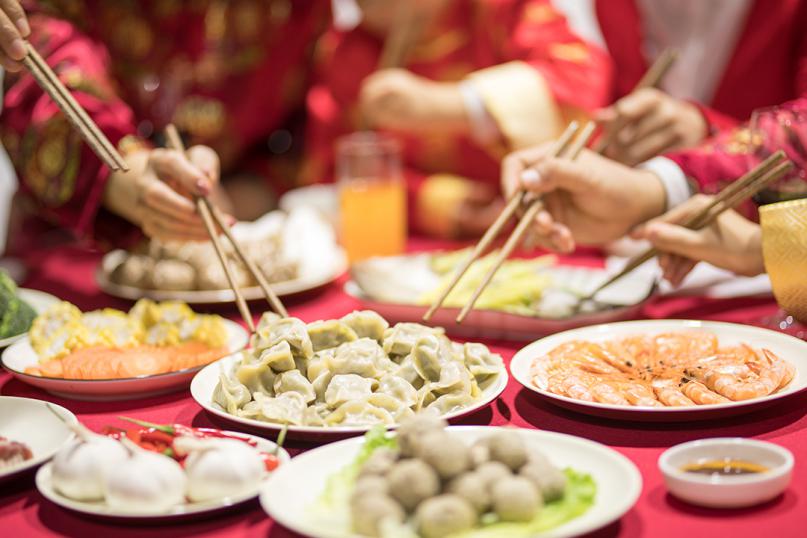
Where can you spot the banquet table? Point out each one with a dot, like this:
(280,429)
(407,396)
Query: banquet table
(67,271)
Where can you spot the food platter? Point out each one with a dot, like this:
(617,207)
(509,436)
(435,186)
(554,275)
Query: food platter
(204,385)
(30,422)
(21,355)
(188,510)
(291,491)
(787,347)
(391,286)
(39,301)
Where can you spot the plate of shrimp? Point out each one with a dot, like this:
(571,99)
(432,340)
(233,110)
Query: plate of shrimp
(664,370)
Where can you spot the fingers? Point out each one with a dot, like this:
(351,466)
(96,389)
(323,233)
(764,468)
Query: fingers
(161,198)
(171,165)
(637,104)
(517,164)
(675,268)
(16,14)
(676,215)
(207,161)
(640,149)
(679,240)
(11,43)
(558,174)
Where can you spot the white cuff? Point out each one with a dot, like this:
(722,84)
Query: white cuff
(483,127)
(672,178)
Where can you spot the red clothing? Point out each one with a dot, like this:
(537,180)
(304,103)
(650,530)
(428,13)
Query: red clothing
(768,65)
(228,74)
(469,36)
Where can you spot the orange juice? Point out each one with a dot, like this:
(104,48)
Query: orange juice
(373,217)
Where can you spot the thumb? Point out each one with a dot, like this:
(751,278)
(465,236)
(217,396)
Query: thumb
(557,174)
(677,240)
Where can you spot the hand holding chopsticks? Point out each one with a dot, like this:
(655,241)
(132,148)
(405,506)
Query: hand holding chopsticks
(214,221)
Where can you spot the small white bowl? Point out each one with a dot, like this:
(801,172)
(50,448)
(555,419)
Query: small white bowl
(727,491)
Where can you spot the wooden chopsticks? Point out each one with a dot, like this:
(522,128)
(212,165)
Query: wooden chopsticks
(402,37)
(571,152)
(76,115)
(747,186)
(651,79)
(213,219)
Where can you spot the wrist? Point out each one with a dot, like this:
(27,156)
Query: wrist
(651,194)
(123,189)
(754,261)
(448,107)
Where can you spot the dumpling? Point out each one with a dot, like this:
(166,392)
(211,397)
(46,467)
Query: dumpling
(480,361)
(293,381)
(291,330)
(230,395)
(363,357)
(320,385)
(398,409)
(315,414)
(287,408)
(318,363)
(398,388)
(406,370)
(330,333)
(278,357)
(454,379)
(448,403)
(401,338)
(359,412)
(256,375)
(347,387)
(366,324)
(429,355)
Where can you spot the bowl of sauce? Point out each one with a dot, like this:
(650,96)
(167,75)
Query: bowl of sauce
(726,472)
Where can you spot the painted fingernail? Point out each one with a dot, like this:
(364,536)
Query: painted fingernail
(23,27)
(17,51)
(203,185)
(530,176)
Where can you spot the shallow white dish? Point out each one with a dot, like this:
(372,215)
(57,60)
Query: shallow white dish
(44,484)
(787,347)
(21,355)
(39,301)
(204,385)
(392,285)
(717,491)
(294,488)
(31,422)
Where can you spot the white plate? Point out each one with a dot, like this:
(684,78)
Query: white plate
(204,385)
(39,301)
(21,355)
(294,488)
(337,266)
(787,347)
(31,422)
(99,509)
(391,286)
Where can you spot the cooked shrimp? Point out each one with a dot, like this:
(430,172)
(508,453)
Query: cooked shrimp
(575,386)
(638,394)
(669,393)
(700,393)
(608,393)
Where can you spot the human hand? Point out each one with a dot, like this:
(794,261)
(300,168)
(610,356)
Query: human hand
(13,28)
(380,16)
(156,194)
(592,200)
(399,100)
(648,122)
(477,212)
(731,242)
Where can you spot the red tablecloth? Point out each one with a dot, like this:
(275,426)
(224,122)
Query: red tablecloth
(68,273)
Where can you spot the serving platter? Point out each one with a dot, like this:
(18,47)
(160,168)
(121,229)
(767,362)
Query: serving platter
(392,285)
(204,385)
(39,301)
(189,510)
(786,347)
(30,422)
(21,355)
(293,489)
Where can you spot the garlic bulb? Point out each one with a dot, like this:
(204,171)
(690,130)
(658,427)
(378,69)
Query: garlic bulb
(219,468)
(79,469)
(145,482)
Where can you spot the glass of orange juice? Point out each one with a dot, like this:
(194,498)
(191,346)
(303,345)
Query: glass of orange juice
(372,195)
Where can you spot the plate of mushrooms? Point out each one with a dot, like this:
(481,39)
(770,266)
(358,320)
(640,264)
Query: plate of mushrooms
(429,480)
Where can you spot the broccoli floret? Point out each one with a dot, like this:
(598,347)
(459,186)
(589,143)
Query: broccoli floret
(16,319)
(8,291)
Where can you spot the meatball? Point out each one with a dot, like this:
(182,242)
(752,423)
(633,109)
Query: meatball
(412,481)
(516,499)
(447,454)
(473,489)
(369,512)
(480,452)
(370,485)
(549,480)
(491,472)
(173,275)
(133,271)
(444,515)
(412,431)
(379,462)
(508,448)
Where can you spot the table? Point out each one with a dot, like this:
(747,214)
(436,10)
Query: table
(68,273)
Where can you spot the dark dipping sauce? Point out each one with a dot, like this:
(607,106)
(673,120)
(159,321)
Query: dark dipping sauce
(724,467)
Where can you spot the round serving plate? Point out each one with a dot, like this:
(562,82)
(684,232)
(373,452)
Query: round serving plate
(204,385)
(39,301)
(290,493)
(21,355)
(29,421)
(188,510)
(787,347)
(323,276)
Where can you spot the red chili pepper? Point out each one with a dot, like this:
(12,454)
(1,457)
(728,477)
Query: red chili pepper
(156,437)
(270,460)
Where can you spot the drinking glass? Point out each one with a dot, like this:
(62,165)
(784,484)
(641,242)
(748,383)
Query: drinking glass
(372,195)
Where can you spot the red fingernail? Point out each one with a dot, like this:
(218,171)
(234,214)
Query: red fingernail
(203,186)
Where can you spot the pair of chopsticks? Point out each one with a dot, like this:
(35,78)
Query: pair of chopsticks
(650,79)
(767,172)
(76,115)
(212,219)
